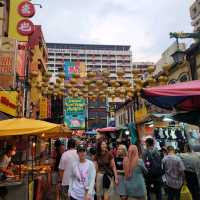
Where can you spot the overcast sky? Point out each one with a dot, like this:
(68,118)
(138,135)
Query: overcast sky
(143,24)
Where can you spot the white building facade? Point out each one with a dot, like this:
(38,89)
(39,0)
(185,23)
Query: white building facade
(95,57)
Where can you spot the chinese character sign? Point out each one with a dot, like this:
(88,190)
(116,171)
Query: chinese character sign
(74,113)
(73,68)
(26,9)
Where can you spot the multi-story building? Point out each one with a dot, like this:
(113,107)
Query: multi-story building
(142,66)
(96,57)
(195,15)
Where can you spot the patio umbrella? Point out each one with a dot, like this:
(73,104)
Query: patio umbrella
(181,96)
(24,126)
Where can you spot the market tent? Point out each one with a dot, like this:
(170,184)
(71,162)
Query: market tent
(181,96)
(24,126)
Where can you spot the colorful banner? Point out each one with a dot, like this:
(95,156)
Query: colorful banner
(43,108)
(74,116)
(73,68)
(8,102)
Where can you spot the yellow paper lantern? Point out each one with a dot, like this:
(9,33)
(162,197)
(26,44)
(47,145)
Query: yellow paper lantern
(151,69)
(68,85)
(120,73)
(61,75)
(86,82)
(73,81)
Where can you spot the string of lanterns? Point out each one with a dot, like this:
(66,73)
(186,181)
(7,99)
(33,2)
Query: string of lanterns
(98,85)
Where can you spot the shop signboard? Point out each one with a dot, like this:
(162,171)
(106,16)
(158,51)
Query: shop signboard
(20,27)
(7,62)
(73,68)
(8,102)
(43,108)
(74,113)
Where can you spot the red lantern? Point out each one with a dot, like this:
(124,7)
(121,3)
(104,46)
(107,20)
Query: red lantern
(25,27)
(26,9)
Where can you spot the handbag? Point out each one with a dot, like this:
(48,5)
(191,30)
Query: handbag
(106,181)
(185,193)
(107,177)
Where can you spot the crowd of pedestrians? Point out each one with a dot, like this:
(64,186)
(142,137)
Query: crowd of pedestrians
(98,172)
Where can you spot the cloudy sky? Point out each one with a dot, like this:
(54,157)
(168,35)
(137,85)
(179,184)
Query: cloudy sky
(143,24)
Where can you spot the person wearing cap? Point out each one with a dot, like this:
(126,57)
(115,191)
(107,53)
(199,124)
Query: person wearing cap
(82,181)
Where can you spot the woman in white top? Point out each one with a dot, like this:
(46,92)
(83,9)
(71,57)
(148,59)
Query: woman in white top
(82,181)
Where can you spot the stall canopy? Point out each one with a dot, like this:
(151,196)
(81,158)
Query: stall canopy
(192,117)
(107,129)
(24,126)
(180,96)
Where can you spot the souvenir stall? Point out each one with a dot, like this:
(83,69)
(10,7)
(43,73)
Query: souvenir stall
(31,177)
(181,99)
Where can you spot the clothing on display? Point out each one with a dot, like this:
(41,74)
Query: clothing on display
(171,136)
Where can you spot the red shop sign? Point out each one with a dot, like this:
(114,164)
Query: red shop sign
(26,9)
(25,27)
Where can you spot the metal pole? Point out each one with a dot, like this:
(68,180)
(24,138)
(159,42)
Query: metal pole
(26,87)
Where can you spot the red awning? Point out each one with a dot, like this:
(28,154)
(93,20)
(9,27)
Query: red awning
(107,129)
(182,96)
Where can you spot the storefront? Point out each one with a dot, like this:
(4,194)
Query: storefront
(31,177)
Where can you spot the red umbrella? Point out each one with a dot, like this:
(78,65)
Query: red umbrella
(107,129)
(182,96)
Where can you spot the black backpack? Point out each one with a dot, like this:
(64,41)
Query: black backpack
(153,163)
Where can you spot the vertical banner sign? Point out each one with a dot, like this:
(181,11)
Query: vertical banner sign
(74,116)
(73,68)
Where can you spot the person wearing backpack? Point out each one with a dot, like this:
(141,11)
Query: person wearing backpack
(153,163)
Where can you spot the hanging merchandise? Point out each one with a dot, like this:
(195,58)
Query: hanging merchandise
(171,136)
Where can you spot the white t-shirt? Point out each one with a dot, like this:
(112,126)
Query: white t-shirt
(80,181)
(68,159)
(4,161)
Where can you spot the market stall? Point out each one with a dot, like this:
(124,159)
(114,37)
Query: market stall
(183,99)
(32,177)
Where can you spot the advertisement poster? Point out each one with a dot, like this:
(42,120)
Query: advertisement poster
(74,116)
(73,68)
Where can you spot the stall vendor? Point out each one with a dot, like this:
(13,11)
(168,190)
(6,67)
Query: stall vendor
(5,160)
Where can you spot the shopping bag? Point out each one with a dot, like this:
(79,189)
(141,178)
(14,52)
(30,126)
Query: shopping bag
(185,193)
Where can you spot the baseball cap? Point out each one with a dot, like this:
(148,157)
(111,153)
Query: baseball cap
(81,148)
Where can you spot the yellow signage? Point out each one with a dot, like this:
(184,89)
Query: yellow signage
(141,114)
(14,18)
(43,108)
(8,102)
